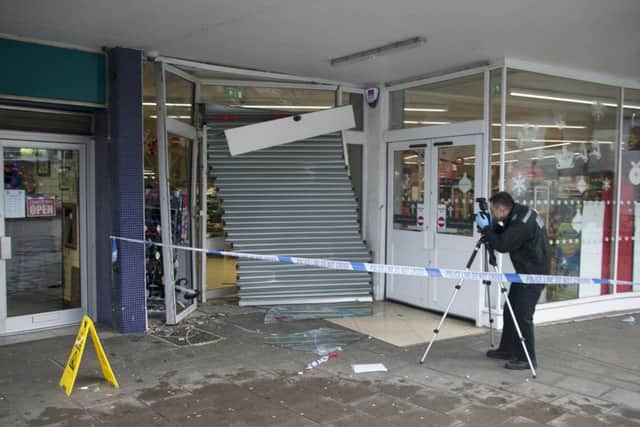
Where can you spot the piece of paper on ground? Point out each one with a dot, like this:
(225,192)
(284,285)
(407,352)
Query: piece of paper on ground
(368,367)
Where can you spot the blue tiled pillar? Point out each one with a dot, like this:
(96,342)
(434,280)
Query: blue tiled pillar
(128,292)
(102,168)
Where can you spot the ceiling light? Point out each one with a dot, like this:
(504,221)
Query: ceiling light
(427,110)
(524,93)
(288,107)
(564,141)
(379,51)
(171,117)
(421,122)
(526,125)
(168,104)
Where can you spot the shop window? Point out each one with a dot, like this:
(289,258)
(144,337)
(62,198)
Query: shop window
(441,103)
(408,188)
(268,98)
(41,215)
(456,175)
(560,149)
(179,95)
(629,219)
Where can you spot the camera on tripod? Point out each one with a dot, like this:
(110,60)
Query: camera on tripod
(482,203)
(484,211)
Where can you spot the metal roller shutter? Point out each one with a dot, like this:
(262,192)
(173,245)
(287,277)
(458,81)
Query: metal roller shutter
(296,200)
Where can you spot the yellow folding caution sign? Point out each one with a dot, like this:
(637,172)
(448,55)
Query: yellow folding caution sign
(71,368)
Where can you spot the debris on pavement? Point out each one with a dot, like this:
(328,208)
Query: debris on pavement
(183,335)
(361,368)
(318,362)
(320,341)
(289,313)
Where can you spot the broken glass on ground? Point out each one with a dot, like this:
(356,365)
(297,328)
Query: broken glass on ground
(320,341)
(288,313)
(184,335)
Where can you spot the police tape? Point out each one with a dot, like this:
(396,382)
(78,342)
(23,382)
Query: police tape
(445,273)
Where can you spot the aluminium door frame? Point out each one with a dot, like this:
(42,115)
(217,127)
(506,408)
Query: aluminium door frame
(85,146)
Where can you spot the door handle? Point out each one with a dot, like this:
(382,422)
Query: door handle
(5,248)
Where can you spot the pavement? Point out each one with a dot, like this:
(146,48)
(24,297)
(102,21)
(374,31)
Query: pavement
(588,375)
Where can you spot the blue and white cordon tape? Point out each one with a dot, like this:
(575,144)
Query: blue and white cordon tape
(400,269)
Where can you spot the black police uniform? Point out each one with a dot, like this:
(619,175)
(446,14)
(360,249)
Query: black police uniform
(524,237)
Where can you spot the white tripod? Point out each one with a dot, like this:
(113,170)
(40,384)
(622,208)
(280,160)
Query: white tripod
(492,260)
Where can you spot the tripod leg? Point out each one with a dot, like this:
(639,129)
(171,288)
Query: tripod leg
(488,286)
(436,331)
(515,323)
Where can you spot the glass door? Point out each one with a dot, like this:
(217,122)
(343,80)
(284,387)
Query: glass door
(431,199)
(41,273)
(455,180)
(407,220)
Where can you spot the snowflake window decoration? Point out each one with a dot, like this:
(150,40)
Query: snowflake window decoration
(519,184)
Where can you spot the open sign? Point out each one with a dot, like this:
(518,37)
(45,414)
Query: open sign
(41,206)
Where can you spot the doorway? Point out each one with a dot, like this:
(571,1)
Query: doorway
(43,274)
(432,185)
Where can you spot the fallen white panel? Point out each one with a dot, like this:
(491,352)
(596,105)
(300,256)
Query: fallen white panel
(368,367)
(293,128)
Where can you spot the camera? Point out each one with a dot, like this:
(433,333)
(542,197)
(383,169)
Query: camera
(484,211)
(482,203)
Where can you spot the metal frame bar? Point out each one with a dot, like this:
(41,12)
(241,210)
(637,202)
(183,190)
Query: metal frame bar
(503,127)
(193,215)
(203,212)
(262,83)
(180,73)
(90,221)
(383,188)
(45,110)
(437,79)
(485,147)
(427,132)
(86,243)
(53,101)
(570,73)
(44,137)
(165,201)
(485,171)
(617,168)
(501,183)
(350,89)
(187,311)
(241,71)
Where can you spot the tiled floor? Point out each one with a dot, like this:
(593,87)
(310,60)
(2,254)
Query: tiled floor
(402,325)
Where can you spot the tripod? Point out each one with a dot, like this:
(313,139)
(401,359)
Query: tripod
(492,260)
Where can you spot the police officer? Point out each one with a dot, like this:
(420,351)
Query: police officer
(518,230)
